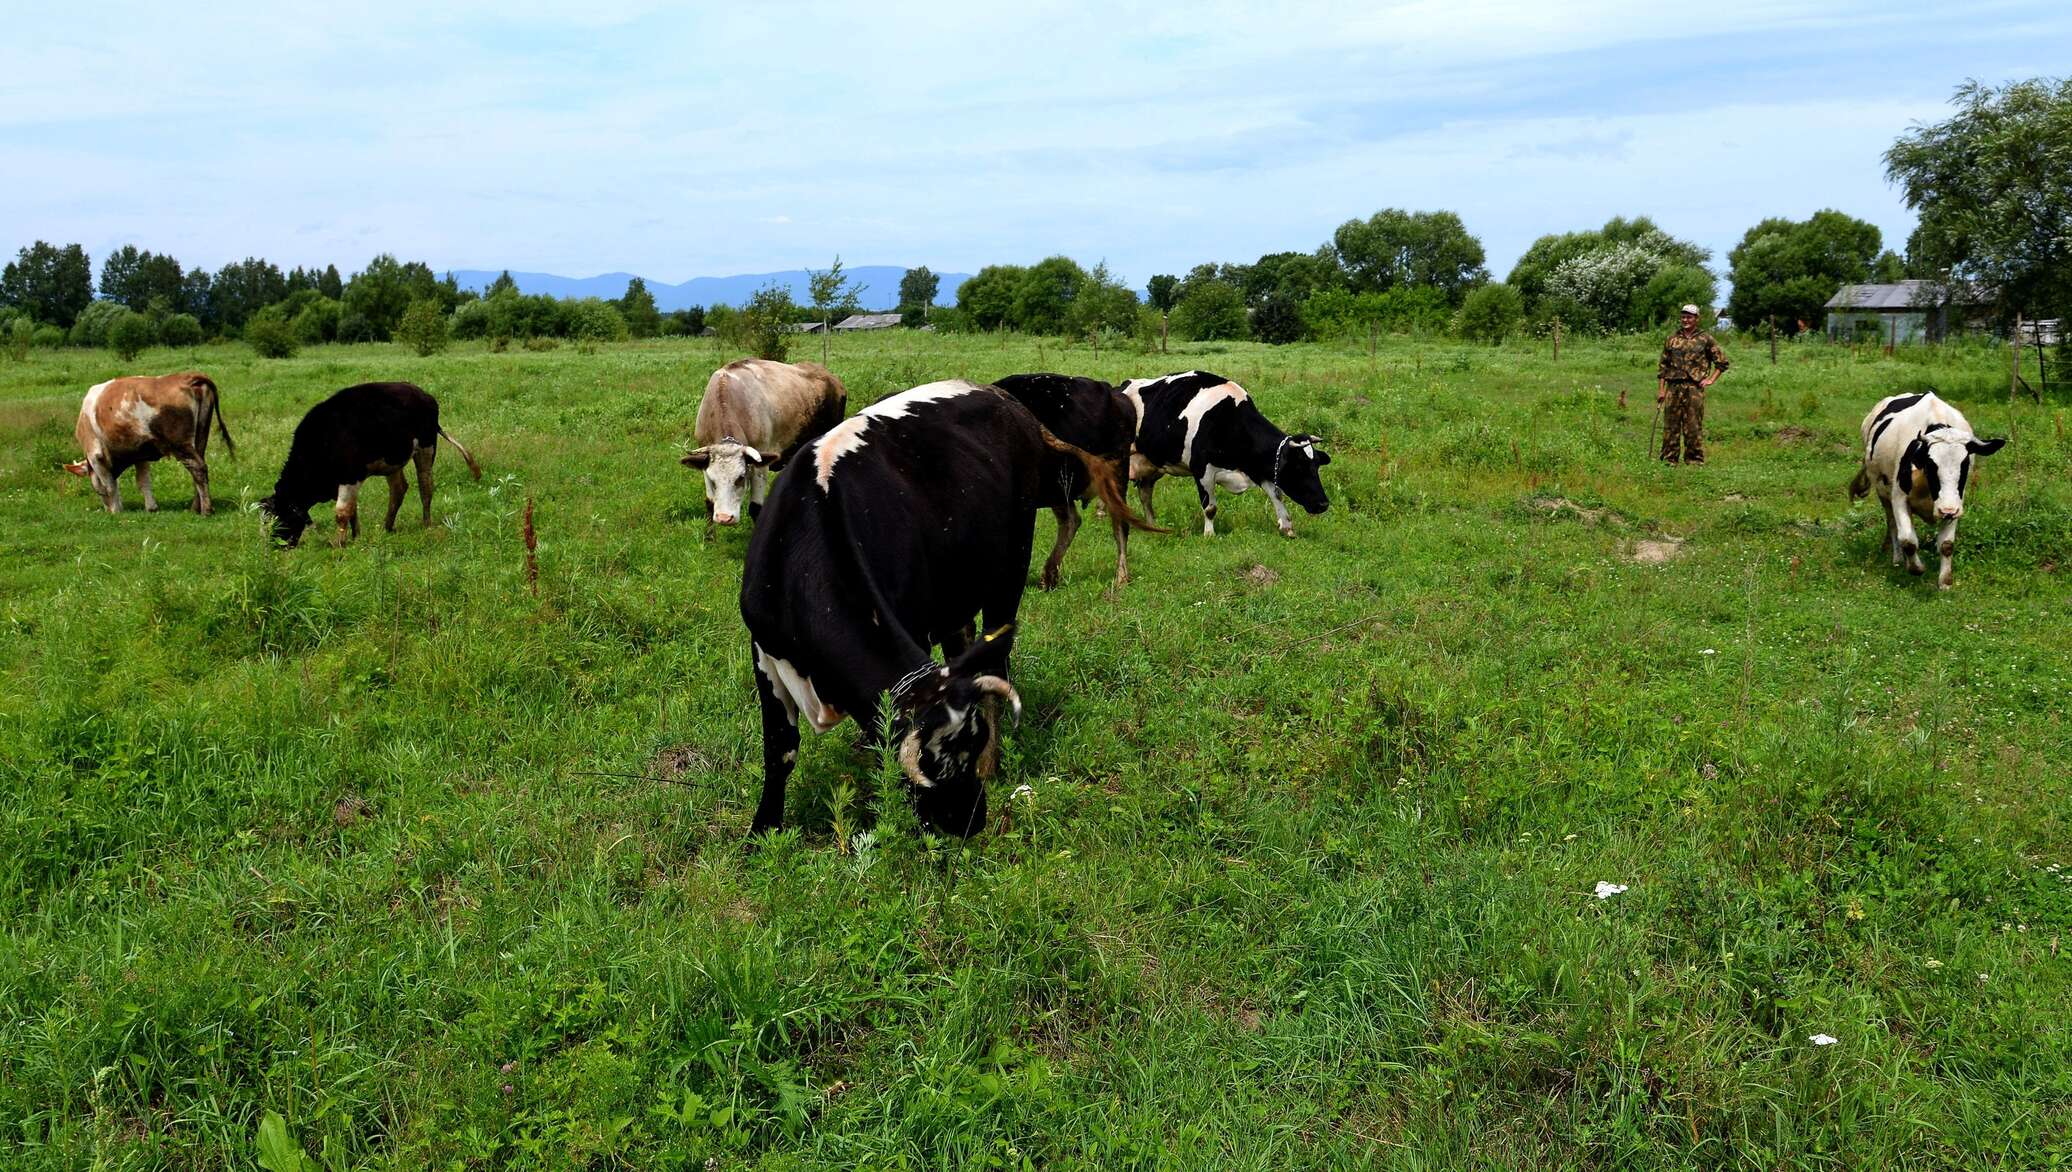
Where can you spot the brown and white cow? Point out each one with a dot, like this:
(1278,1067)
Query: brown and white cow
(127,422)
(754,415)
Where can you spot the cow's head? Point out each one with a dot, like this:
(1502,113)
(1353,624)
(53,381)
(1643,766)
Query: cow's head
(726,465)
(1295,464)
(949,742)
(288,520)
(77,467)
(1937,467)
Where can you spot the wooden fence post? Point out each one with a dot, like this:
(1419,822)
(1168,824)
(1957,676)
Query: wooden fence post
(1162,331)
(2014,370)
(1557,339)
(1773,339)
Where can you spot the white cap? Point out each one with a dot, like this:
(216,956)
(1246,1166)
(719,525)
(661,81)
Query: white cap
(1691,309)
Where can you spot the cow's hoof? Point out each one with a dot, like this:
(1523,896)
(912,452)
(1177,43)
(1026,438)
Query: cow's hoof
(150,508)
(1289,532)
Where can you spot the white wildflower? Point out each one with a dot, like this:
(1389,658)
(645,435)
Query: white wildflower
(1607,890)
(1934,963)
(1710,651)
(1023,793)
(1824,1039)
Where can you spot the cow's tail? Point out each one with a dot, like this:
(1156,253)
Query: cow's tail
(1862,484)
(1105,482)
(222,428)
(464,454)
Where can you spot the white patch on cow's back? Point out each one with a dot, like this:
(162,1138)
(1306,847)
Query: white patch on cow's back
(796,691)
(143,413)
(848,435)
(1199,406)
(90,410)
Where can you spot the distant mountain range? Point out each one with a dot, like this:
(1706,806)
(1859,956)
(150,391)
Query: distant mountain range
(881,286)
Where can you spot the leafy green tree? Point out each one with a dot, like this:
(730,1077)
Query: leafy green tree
(355,328)
(181,329)
(197,297)
(330,285)
(54,284)
(270,334)
(988,296)
(637,306)
(1535,270)
(1102,304)
(423,328)
(1277,318)
(1490,313)
(917,288)
(1043,296)
(1394,248)
(1787,269)
(1889,269)
(1211,310)
(1294,276)
(383,290)
(1162,291)
(241,289)
(91,327)
(1992,185)
(835,295)
(502,284)
(766,321)
(1672,287)
(593,321)
(690,321)
(131,335)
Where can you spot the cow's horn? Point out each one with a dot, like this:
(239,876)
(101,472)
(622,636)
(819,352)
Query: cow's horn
(995,686)
(910,761)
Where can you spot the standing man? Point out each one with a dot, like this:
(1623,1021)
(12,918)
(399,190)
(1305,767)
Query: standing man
(1691,362)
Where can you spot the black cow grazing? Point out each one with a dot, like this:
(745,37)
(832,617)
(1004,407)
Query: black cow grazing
(1205,427)
(888,536)
(1088,414)
(373,429)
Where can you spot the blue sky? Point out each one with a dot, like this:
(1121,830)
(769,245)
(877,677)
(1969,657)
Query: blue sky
(682,140)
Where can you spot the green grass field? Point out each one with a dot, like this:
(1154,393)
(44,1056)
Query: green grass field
(447,875)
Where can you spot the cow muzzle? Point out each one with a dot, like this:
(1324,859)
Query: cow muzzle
(1949,512)
(724,518)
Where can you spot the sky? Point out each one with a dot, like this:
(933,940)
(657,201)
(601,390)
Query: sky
(677,140)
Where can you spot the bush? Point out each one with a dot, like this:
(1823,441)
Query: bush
(16,338)
(317,321)
(181,329)
(1278,320)
(270,333)
(470,321)
(542,342)
(1491,312)
(92,326)
(49,337)
(592,321)
(131,335)
(1211,311)
(423,328)
(355,327)
(764,324)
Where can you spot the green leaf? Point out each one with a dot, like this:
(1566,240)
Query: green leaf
(278,1151)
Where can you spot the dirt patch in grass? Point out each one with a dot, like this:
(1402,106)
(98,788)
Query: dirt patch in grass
(677,760)
(1555,506)
(351,810)
(1792,434)
(1656,551)
(1260,575)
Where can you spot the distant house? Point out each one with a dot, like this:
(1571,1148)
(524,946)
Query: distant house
(868,321)
(1908,311)
(806,327)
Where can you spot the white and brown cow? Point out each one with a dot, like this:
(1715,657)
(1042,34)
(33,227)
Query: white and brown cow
(754,415)
(135,421)
(1917,453)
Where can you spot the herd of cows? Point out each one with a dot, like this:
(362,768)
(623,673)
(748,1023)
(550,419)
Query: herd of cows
(907,526)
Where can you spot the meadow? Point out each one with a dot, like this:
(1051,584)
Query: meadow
(379,857)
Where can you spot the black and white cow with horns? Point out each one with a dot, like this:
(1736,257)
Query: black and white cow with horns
(1917,453)
(889,535)
(1205,427)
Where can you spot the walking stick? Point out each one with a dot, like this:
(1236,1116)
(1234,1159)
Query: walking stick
(1655,420)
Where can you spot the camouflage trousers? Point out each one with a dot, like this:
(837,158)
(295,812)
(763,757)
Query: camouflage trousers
(1683,423)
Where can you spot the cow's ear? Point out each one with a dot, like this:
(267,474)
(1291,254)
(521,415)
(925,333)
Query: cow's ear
(1916,453)
(753,456)
(697,458)
(1980,447)
(76,467)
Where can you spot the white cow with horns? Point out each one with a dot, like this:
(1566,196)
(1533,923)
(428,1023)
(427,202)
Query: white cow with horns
(1917,451)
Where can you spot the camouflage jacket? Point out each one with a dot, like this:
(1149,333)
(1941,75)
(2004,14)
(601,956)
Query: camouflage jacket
(1691,357)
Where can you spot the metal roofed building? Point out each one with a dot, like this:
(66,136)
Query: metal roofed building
(868,321)
(1908,311)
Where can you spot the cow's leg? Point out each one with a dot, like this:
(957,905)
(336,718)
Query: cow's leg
(1280,509)
(424,458)
(1068,525)
(144,486)
(103,472)
(1144,490)
(398,489)
(780,749)
(347,516)
(1891,547)
(197,467)
(1205,484)
(1122,552)
(1906,546)
(1946,549)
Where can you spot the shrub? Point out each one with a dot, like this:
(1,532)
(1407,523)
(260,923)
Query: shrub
(317,321)
(542,342)
(181,329)
(1211,311)
(17,337)
(423,328)
(765,322)
(49,337)
(1278,320)
(592,321)
(270,333)
(355,327)
(92,326)
(131,335)
(471,321)
(1490,312)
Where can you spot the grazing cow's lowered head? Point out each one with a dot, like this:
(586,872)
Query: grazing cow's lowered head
(726,465)
(949,738)
(289,521)
(1295,462)
(1937,466)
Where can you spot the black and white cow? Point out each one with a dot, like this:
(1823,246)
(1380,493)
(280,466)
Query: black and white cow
(1205,427)
(1917,453)
(1088,414)
(889,535)
(373,429)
